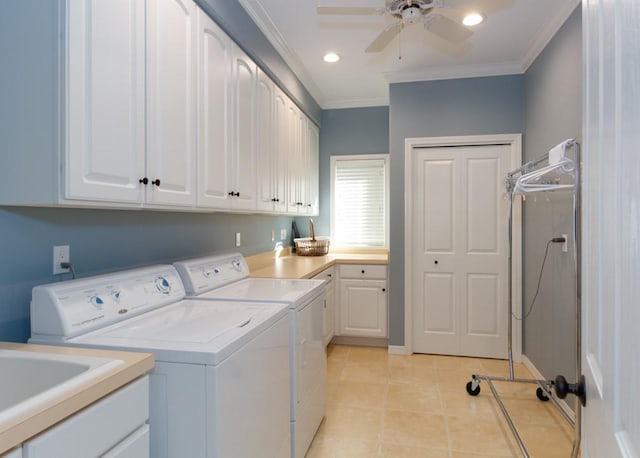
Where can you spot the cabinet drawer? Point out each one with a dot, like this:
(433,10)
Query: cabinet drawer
(328,275)
(363,271)
(96,429)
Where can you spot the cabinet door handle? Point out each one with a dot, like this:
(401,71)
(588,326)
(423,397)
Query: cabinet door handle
(144,180)
(384,289)
(436,262)
(362,270)
(156,182)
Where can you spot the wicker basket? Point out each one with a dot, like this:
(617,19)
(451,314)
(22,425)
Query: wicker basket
(307,246)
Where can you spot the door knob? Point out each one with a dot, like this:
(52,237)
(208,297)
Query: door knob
(562,388)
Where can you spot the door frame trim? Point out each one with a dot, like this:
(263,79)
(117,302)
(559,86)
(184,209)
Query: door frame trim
(515,143)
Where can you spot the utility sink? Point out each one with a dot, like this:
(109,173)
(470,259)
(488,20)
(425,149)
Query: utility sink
(29,380)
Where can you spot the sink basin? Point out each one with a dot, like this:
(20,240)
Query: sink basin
(31,379)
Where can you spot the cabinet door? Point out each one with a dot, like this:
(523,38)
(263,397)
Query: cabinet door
(313,169)
(281,150)
(363,308)
(295,159)
(265,147)
(329,313)
(244,155)
(171,112)
(214,109)
(105,100)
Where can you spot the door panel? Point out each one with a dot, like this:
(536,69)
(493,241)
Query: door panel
(171,97)
(214,122)
(611,215)
(438,206)
(483,212)
(460,251)
(105,101)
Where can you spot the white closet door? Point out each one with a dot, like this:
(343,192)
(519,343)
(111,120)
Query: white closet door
(105,100)
(460,251)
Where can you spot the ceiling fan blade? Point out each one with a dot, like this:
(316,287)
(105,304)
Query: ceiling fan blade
(348,10)
(445,28)
(385,37)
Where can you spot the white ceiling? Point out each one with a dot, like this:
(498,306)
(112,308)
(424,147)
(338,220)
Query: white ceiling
(507,42)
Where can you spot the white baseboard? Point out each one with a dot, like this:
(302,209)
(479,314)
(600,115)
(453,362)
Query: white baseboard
(538,376)
(398,350)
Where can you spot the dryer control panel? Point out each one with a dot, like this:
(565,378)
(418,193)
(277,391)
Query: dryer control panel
(68,309)
(204,274)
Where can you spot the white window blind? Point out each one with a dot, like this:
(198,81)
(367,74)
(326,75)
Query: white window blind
(359,201)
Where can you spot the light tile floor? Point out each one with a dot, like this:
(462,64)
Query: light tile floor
(382,405)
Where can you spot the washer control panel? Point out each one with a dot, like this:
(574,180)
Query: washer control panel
(71,308)
(204,274)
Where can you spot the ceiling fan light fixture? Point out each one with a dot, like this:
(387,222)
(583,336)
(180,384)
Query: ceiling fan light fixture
(331,57)
(473,19)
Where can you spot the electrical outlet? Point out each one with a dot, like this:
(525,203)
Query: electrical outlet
(565,244)
(237,239)
(283,234)
(60,254)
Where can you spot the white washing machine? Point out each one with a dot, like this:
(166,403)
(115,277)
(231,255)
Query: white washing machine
(226,278)
(220,386)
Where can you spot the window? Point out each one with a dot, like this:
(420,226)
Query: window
(360,201)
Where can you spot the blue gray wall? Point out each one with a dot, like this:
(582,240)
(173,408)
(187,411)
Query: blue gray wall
(553,113)
(472,106)
(346,132)
(109,240)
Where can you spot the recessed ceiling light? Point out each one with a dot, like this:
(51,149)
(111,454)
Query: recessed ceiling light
(331,57)
(473,19)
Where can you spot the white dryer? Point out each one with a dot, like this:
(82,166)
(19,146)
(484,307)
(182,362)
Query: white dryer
(226,278)
(220,386)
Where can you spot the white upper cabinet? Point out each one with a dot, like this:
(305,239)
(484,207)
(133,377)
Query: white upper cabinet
(313,169)
(243,159)
(227,98)
(145,104)
(271,147)
(130,120)
(214,114)
(171,114)
(105,101)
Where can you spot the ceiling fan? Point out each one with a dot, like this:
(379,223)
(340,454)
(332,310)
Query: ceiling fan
(407,12)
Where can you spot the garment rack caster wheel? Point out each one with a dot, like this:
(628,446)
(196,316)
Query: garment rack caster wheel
(473,387)
(542,395)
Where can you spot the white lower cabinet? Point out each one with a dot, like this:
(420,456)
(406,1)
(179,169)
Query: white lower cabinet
(363,301)
(115,426)
(328,323)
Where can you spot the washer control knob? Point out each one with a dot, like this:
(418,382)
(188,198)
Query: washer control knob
(97,302)
(163,285)
(236,265)
(116,295)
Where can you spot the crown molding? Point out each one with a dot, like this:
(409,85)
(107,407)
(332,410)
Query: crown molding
(456,72)
(357,103)
(257,13)
(545,35)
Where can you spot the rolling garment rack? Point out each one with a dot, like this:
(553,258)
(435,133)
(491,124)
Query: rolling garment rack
(551,172)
